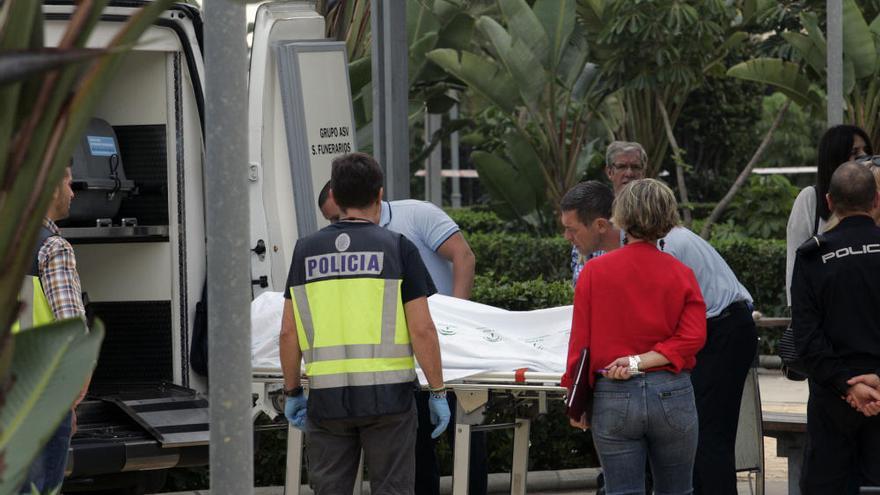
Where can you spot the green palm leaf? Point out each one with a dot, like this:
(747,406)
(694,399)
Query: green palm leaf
(50,366)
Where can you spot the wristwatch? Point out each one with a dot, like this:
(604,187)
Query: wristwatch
(293,392)
(634,364)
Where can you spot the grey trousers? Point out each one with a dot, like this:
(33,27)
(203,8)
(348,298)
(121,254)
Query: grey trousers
(334,450)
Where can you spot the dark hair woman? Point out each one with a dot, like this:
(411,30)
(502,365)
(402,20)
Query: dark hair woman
(839,144)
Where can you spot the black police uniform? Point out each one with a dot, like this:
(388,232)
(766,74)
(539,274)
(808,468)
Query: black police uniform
(835,293)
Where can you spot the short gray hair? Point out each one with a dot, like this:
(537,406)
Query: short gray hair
(621,147)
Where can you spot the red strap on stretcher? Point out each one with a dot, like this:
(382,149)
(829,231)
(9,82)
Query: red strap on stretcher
(520,375)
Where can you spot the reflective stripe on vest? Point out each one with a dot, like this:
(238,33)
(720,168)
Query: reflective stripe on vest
(367,343)
(36,309)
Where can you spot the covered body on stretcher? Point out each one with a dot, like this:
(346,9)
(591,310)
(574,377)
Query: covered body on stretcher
(476,341)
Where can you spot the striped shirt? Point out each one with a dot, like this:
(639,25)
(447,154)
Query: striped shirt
(59,277)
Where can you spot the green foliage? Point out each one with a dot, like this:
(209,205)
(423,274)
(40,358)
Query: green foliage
(717,128)
(641,46)
(471,220)
(761,208)
(554,443)
(531,65)
(801,79)
(521,256)
(524,295)
(794,143)
(51,364)
(759,264)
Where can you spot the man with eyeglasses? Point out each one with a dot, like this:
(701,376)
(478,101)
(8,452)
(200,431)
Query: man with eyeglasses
(624,162)
(731,337)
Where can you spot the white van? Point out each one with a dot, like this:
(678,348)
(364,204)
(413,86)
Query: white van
(142,262)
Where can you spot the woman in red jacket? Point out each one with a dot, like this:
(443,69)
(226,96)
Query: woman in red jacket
(641,314)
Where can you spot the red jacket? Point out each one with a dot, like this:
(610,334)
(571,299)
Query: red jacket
(634,300)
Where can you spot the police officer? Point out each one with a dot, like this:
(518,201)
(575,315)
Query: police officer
(836,320)
(356,312)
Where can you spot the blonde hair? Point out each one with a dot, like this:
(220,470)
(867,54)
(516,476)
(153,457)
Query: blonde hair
(646,209)
(833,220)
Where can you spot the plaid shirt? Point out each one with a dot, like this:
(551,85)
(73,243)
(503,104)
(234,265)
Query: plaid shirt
(58,275)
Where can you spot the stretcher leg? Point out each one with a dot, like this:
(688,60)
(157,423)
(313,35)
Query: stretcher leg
(359,479)
(461,458)
(292,479)
(520,465)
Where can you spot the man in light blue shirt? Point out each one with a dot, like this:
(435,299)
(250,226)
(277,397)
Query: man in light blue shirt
(450,261)
(731,337)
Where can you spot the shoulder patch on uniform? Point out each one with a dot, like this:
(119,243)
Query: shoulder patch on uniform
(344,264)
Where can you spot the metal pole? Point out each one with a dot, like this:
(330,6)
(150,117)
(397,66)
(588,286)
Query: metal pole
(391,95)
(434,162)
(834,71)
(455,197)
(231,449)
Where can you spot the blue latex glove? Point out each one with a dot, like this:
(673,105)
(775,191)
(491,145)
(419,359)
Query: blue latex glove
(439,414)
(295,410)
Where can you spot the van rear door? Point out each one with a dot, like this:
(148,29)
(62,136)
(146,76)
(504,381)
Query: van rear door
(300,118)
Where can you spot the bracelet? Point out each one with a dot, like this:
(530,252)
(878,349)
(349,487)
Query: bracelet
(441,388)
(634,363)
(440,394)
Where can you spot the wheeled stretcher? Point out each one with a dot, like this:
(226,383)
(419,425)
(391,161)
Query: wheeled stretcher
(486,351)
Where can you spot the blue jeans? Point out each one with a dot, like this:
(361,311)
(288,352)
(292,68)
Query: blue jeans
(653,418)
(47,470)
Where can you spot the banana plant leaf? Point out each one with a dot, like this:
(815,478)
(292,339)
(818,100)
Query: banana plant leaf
(513,196)
(804,46)
(557,27)
(524,25)
(785,76)
(519,62)
(858,41)
(481,74)
(50,366)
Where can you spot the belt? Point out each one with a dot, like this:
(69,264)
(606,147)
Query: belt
(734,306)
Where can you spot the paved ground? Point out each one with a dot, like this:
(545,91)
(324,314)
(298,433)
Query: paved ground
(777,395)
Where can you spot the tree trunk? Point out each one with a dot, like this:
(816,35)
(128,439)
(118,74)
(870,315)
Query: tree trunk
(679,164)
(744,175)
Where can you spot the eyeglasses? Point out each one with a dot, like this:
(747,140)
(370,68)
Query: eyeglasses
(869,160)
(633,167)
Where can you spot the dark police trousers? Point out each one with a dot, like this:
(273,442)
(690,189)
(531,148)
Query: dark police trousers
(427,468)
(718,379)
(334,453)
(841,444)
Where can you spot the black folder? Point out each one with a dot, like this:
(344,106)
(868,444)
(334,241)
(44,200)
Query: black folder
(580,400)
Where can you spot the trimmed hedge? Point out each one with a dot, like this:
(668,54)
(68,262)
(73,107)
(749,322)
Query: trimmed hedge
(521,257)
(470,220)
(503,258)
(759,264)
(522,295)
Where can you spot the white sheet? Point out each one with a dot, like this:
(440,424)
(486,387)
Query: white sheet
(474,338)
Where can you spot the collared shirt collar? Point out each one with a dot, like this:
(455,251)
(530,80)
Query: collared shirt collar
(49,224)
(384,214)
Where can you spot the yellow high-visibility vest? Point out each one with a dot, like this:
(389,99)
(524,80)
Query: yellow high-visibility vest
(36,309)
(365,344)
